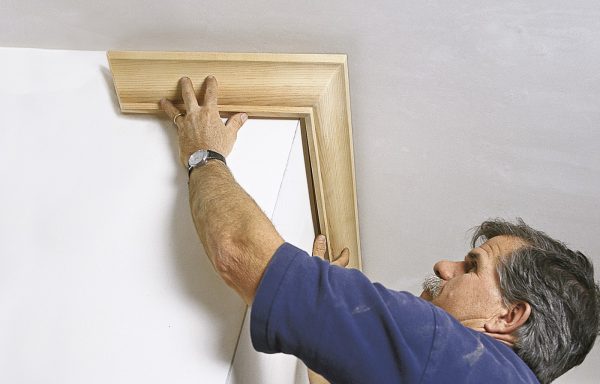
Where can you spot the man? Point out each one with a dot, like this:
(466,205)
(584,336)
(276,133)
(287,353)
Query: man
(521,307)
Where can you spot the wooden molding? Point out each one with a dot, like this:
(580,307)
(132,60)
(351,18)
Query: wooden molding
(312,88)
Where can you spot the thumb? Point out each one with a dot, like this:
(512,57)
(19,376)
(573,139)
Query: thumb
(236,121)
(343,259)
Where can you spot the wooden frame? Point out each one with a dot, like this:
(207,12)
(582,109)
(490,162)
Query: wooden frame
(312,88)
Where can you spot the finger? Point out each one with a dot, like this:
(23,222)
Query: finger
(169,108)
(187,91)
(210,97)
(315,378)
(236,121)
(320,246)
(344,259)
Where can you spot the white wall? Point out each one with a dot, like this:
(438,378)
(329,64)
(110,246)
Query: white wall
(102,277)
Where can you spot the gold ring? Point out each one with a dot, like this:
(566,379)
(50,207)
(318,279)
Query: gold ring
(176,116)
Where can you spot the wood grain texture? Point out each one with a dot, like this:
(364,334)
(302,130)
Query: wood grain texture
(312,88)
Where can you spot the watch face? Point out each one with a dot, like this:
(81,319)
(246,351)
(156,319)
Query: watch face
(197,157)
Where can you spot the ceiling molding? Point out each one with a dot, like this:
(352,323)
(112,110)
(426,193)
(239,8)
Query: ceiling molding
(313,88)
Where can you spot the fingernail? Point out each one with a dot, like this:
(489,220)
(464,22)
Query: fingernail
(244,117)
(211,77)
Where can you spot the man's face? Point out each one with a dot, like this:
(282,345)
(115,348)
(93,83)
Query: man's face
(470,289)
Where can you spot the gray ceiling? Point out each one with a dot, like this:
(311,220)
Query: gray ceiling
(461,110)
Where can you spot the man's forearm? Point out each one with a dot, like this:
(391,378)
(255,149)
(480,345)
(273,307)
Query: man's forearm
(237,236)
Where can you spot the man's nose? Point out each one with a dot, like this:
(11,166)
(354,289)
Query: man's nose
(446,269)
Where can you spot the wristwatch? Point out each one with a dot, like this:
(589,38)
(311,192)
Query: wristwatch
(201,157)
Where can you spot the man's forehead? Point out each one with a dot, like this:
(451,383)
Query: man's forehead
(500,246)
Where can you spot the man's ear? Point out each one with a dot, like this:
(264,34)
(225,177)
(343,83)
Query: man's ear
(510,321)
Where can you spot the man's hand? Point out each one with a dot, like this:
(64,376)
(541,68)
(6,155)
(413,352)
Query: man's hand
(201,127)
(320,247)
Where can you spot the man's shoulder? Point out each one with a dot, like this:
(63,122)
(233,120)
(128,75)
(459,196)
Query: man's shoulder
(461,354)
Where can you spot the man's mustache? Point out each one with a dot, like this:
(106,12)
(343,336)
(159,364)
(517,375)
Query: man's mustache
(432,285)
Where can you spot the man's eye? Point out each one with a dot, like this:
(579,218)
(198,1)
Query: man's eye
(472,267)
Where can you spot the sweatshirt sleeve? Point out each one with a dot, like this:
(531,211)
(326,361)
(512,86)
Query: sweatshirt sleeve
(339,323)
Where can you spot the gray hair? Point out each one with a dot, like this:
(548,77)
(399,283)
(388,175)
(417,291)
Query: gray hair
(559,285)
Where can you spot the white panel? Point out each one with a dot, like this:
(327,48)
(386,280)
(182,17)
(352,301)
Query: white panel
(102,277)
(292,214)
(292,218)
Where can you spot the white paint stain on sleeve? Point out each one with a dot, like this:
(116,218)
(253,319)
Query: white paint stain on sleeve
(360,309)
(472,357)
